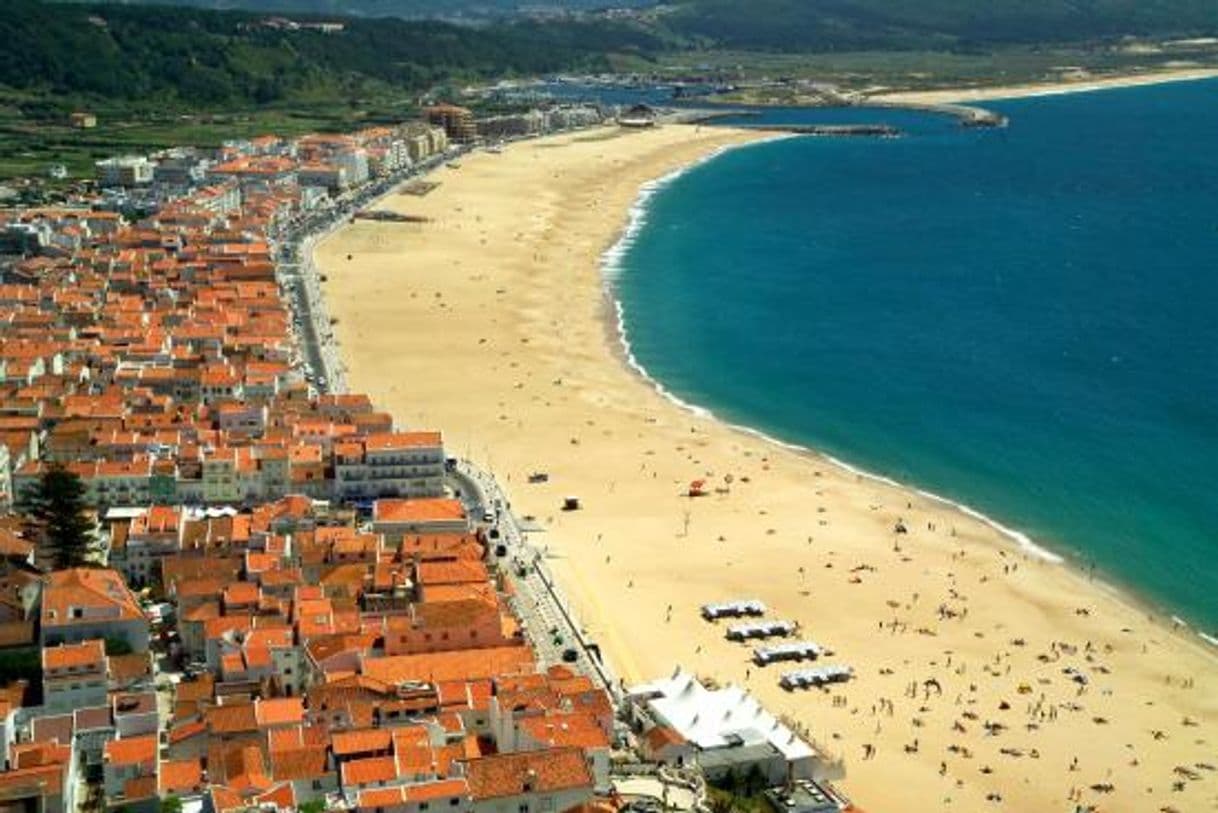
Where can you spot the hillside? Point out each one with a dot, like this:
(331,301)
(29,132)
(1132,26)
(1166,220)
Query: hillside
(825,25)
(177,57)
(838,25)
(198,58)
(408,9)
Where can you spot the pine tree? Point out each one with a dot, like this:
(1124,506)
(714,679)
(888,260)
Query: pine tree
(58,503)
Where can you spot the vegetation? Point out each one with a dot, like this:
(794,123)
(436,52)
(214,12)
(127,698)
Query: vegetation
(826,25)
(117,646)
(851,25)
(205,59)
(408,9)
(738,793)
(57,503)
(21,664)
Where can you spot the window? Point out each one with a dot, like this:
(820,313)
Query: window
(453,802)
(423,805)
(524,808)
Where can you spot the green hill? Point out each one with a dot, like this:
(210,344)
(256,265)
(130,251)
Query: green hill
(187,57)
(198,58)
(409,9)
(836,25)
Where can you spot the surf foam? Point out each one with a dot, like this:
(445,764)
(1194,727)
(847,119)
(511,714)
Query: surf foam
(612,264)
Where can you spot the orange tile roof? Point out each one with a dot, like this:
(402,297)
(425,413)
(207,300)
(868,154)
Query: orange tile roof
(560,729)
(390,441)
(279,711)
(547,771)
(87,588)
(466,664)
(362,741)
(132,750)
(370,770)
(421,792)
(74,656)
(232,719)
(181,775)
(418,510)
(460,572)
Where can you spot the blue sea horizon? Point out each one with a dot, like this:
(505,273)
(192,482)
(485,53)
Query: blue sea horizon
(1020,320)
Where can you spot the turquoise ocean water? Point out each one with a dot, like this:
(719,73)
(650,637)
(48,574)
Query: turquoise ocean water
(1022,320)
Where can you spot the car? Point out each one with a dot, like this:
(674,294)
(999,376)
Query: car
(570,655)
(488,516)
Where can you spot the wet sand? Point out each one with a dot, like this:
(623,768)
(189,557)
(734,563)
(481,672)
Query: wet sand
(491,322)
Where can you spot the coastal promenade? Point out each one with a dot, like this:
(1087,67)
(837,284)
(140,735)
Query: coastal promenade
(549,619)
(499,328)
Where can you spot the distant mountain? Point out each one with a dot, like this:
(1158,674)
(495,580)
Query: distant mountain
(199,58)
(207,58)
(407,9)
(813,25)
(834,25)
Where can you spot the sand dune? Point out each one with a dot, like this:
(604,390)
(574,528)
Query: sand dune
(491,322)
(1080,84)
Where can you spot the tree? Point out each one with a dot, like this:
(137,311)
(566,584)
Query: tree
(312,806)
(722,803)
(117,646)
(171,804)
(58,503)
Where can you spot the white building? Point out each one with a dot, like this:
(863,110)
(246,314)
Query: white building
(390,464)
(125,170)
(728,729)
(355,163)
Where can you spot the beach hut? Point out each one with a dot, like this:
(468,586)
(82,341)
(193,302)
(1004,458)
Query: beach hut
(733,609)
(797,651)
(806,678)
(760,629)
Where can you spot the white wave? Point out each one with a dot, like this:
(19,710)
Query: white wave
(611,269)
(1209,639)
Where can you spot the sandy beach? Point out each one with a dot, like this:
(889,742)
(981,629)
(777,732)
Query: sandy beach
(1079,85)
(491,322)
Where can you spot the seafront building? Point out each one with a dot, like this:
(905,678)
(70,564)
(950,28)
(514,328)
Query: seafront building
(291,603)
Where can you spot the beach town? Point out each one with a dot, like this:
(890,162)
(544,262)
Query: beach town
(382,519)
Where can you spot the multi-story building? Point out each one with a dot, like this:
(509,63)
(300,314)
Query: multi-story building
(84,604)
(391,464)
(458,122)
(126,170)
(74,675)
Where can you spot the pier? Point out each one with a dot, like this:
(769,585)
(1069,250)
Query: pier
(834,130)
(967,115)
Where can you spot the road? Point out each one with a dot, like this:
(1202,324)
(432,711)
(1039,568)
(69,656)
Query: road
(549,621)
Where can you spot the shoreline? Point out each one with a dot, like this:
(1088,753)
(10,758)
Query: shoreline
(546,366)
(1031,90)
(1188,630)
